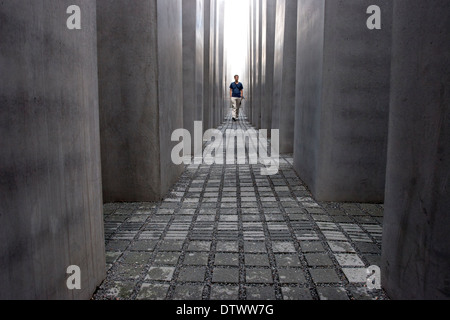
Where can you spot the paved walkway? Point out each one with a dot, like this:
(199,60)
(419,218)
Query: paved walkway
(226,232)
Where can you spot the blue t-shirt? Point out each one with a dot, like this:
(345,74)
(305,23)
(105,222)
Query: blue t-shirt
(237,88)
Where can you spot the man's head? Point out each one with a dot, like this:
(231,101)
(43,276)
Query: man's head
(236,78)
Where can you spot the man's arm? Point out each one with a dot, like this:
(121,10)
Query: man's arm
(242,94)
(231,93)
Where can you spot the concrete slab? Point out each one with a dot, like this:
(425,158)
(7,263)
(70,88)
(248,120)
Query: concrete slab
(141,96)
(50,189)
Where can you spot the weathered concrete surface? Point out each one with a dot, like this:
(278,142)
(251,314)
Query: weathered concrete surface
(207,94)
(310,44)
(342,99)
(219,79)
(416,252)
(248,106)
(50,176)
(212,30)
(141,96)
(193,65)
(283,111)
(267,61)
(256,67)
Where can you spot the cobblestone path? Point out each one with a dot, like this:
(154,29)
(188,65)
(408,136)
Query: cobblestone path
(225,232)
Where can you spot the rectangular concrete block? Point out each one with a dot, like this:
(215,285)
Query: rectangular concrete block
(207,95)
(141,96)
(342,99)
(50,169)
(310,45)
(284,76)
(267,61)
(219,83)
(416,252)
(256,67)
(209,113)
(193,65)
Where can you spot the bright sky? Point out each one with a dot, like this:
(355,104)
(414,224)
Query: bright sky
(236,35)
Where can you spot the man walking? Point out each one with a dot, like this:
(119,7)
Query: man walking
(236,95)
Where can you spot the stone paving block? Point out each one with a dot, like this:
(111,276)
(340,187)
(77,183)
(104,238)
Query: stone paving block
(227,246)
(283,247)
(225,275)
(196,258)
(117,245)
(379,220)
(251,218)
(298,217)
(364,219)
(356,275)
(259,276)
(199,246)
(252,210)
(287,260)
(138,218)
(226,259)
(151,291)
(210,212)
(312,246)
(160,274)
(291,276)
(258,260)
(228,205)
(297,294)
(116,218)
(334,235)
(324,276)
(255,247)
(112,257)
(206,218)
(188,292)
(144,245)
(192,274)
(270,205)
(171,245)
(342,219)
(139,258)
(274,217)
(367,247)
(187,212)
(229,218)
(120,290)
(165,212)
(324,218)
(219,292)
(167,258)
(335,212)
(275,210)
(127,271)
(260,293)
(331,293)
(318,259)
(306,235)
(349,260)
(373,259)
(338,246)
(363,293)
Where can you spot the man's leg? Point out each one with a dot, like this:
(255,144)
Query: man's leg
(238,107)
(234,106)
